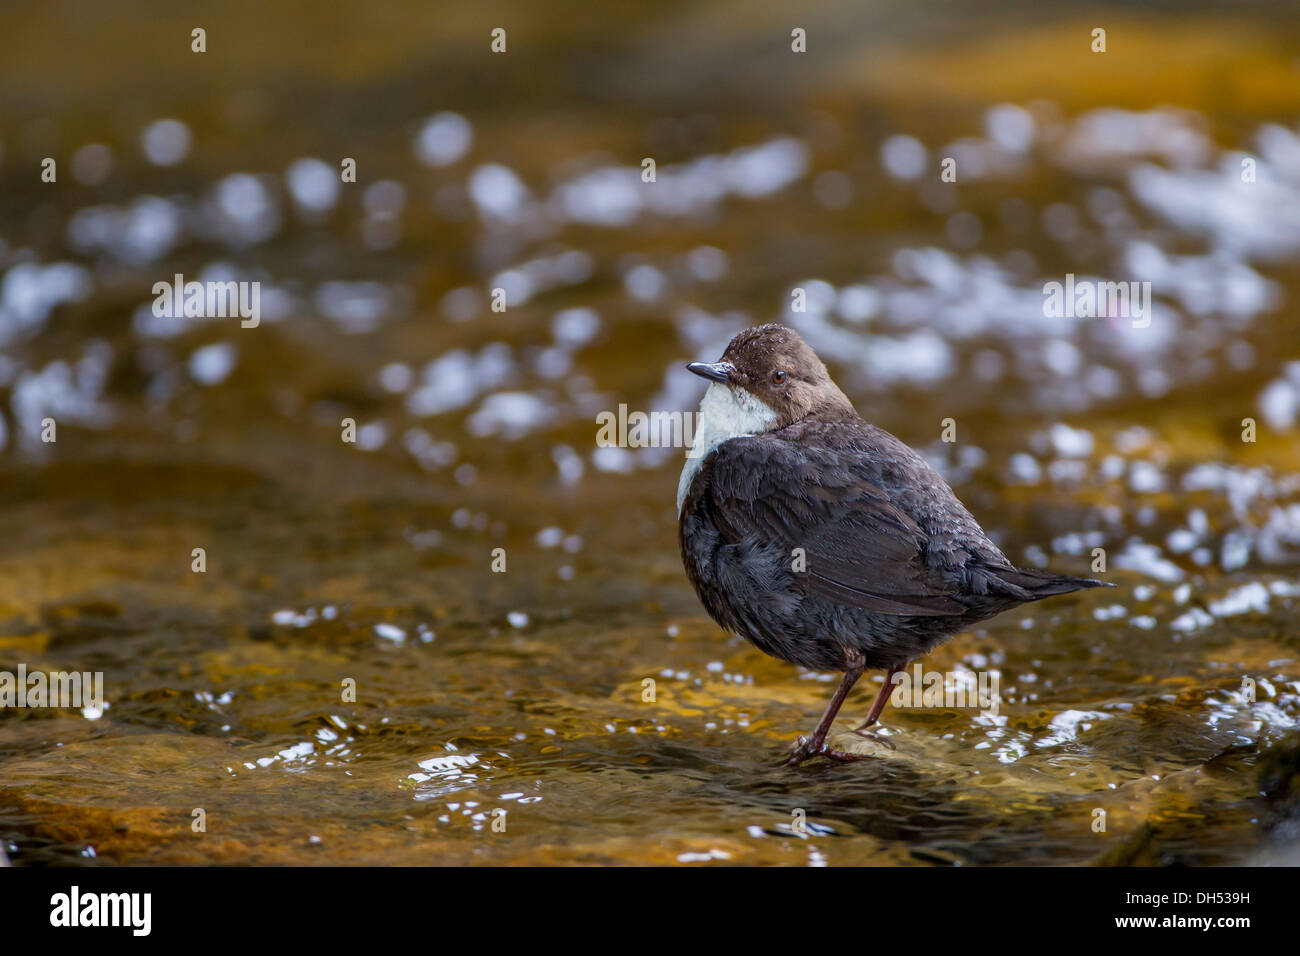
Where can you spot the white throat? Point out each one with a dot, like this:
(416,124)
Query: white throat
(725,413)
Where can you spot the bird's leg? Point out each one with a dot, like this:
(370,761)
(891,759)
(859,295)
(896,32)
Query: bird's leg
(882,698)
(816,744)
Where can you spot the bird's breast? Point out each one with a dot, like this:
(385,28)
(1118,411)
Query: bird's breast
(725,413)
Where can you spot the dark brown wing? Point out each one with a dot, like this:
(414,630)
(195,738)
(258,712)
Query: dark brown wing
(860,550)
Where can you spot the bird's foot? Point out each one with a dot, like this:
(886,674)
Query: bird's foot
(805,749)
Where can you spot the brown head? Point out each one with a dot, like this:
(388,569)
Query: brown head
(777,367)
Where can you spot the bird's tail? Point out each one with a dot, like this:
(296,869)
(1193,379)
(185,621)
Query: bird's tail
(1025,584)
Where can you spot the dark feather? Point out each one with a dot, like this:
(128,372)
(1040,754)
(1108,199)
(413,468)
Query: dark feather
(895,564)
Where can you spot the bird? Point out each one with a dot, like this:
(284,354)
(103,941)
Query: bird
(824,540)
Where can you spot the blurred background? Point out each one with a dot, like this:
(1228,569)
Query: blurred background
(775,171)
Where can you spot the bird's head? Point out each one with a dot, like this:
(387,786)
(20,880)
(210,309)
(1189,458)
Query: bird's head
(772,365)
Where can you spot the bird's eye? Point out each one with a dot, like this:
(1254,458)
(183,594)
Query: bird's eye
(778,378)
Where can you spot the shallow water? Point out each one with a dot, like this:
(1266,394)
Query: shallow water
(522,691)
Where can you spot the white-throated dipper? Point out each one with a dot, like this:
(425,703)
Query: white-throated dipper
(822,539)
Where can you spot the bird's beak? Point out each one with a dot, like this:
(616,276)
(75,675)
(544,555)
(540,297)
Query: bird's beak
(717,372)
